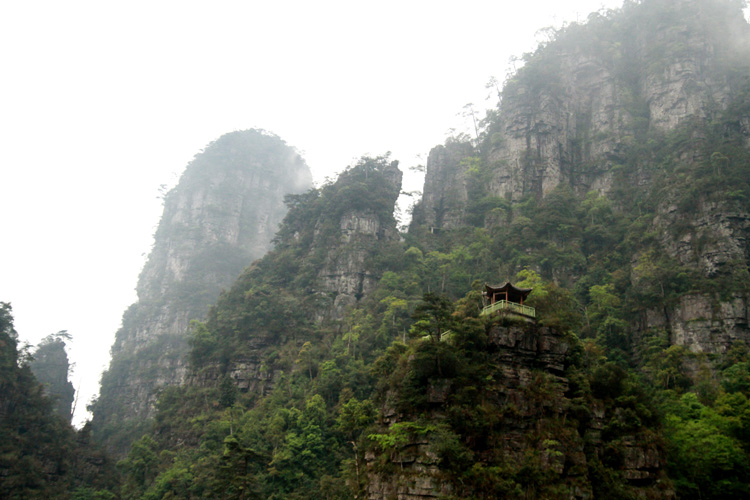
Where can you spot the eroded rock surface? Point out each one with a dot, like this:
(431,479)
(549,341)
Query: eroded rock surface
(222,215)
(530,386)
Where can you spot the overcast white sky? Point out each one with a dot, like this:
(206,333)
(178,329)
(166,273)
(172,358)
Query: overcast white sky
(102,102)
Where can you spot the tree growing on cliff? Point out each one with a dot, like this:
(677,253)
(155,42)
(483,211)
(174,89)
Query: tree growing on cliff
(432,317)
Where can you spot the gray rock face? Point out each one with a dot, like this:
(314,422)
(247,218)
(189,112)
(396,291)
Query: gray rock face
(703,324)
(581,105)
(346,275)
(250,374)
(715,235)
(571,132)
(345,227)
(222,216)
(531,386)
(550,134)
(445,195)
(712,238)
(420,476)
(568,116)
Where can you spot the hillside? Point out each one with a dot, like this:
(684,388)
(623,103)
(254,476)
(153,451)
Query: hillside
(613,180)
(618,158)
(611,185)
(221,216)
(41,455)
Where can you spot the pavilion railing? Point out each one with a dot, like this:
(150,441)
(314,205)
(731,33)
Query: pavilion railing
(445,336)
(504,305)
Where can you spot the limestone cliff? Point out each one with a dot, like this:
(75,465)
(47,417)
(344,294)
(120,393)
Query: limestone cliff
(646,106)
(614,177)
(531,424)
(445,194)
(325,262)
(713,240)
(348,274)
(584,99)
(51,368)
(220,217)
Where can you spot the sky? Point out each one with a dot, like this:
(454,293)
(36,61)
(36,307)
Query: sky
(104,102)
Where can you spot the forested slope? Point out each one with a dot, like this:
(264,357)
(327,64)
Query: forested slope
(41,455)
(221,216)
(352,361)
(613,179)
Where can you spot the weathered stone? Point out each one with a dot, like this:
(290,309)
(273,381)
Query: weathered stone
(530,386)
(221,216)
(575,125)
(445,196)
(345,275)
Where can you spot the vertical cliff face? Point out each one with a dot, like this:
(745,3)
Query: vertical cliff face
(51,367)
(221,216)
(527,426)
(445,195)
(583,100)
(325,262)
(347,274)
(647,105)
(712,239)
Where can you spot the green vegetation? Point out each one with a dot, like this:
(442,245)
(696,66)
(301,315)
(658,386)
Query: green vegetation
(293,395)
(221,216)
(41,455)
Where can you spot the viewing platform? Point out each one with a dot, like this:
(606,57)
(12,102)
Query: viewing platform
(505,305)
(507,299)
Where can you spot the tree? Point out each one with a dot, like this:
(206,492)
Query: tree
(227,392)
(140,467)
(354,416)
(432,317)
(705,462)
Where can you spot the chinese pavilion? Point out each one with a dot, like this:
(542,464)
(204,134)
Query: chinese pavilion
(506,299)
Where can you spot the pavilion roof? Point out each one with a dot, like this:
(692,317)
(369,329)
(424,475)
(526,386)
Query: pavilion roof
(506,287)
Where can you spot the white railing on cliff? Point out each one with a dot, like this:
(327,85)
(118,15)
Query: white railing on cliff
(504,305)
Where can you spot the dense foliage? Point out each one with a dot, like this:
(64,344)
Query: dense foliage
(414,374)
(41,455)
(598,268)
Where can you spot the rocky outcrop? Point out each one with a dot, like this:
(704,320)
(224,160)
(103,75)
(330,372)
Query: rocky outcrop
(221,216)
(587,110)
(347,275)
(703,324)
(567,129)
(585,99)
(445,192)
(533,361)
(51,367)
(325,262)
(530,388)
(418,476)
(712,239)
(707,235)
